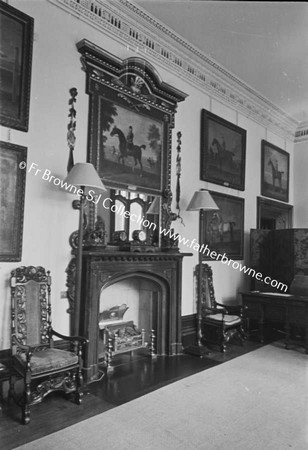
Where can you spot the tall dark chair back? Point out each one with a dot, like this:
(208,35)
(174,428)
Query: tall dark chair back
(208,300)
(30,293)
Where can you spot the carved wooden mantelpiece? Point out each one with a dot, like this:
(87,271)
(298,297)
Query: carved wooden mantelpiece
(119,89)
(102,269)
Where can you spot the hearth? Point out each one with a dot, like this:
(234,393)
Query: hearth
(154,301)
(129,325)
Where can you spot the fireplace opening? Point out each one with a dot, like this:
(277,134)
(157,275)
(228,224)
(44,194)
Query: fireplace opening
(128,306)
(149,284)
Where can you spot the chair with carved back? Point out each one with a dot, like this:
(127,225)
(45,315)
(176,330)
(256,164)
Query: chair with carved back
(219,322)
(43,367)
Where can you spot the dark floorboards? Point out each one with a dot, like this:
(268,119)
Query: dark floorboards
(132,378)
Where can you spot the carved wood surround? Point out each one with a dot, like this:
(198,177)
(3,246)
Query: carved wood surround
(102,269)
(111,84)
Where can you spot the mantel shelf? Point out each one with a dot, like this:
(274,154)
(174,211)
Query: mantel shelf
(125,255)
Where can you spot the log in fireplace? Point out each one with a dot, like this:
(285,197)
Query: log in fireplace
(102,269)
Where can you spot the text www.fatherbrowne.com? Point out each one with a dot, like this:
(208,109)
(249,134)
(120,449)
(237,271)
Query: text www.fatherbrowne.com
(205,250)
(192,244)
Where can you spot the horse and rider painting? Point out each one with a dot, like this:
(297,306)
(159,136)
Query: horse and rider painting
(274,172)
(130,153)
(223,150)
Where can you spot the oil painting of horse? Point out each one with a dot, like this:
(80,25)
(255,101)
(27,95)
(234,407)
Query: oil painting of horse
(223,230)
(274,172)
(130,149)
(223,151)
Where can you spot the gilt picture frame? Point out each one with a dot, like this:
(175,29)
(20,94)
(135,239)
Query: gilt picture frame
(223,152)
(223,230)
(16,45)
(274,172)
(12,194)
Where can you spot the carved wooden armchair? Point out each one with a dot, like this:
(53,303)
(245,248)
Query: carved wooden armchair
(43,367)
(219,322)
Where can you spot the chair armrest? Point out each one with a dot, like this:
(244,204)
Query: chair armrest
(19,344)
(25,349)
(80,339)
(234,309)
(29,349)
(220,310)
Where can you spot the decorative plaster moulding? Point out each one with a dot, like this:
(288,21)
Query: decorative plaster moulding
(131,26)
(301,134)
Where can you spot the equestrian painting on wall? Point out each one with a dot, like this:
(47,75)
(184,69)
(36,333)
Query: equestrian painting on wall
(223,230)
(223,152)
(274,172)
(131,146)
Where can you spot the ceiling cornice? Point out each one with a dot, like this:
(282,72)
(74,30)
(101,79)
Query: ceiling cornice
(132,26)
(301,134)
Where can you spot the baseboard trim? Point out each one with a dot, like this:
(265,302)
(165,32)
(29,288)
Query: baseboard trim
(189,325)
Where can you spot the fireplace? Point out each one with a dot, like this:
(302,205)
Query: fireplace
(149,284)
(134,301)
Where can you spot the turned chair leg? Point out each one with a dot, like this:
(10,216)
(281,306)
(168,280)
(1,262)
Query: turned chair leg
(25,408)
(79,390)
(223,339)
(11,391)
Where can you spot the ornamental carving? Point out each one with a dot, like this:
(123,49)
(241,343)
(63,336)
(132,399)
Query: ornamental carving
(142,33)
(207,287)
(24,274)
(20,314)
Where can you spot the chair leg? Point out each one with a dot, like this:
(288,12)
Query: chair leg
(25,408)
(223,345)
(79,390)
(25,414)
(11,392)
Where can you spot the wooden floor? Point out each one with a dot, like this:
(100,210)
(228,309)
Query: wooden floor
(132,378)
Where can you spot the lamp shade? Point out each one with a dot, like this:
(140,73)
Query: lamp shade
(85,175)
(202,200)
(154,207)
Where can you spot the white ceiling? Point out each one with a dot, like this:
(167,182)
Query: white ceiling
(265,44)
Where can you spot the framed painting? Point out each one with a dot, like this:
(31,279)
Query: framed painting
(223,152)
(274,172)
(223,230)
(273,215)
(15,67)
(131,151)
(12,194)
